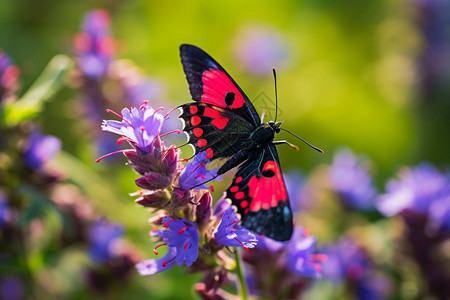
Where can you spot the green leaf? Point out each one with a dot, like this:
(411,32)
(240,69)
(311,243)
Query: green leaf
(50,81)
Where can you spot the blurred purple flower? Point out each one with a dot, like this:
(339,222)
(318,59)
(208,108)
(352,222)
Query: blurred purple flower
(140,126)
(435,62)
(290,265)
(297,191)
(301,258)
(259,48)
(8,76)
(416,189)
(40,148)
(181,237)
(230,234)
(11,288)
(440,209)
(195,173)
(102,237)
(94,45)
(347,262)
(352,181)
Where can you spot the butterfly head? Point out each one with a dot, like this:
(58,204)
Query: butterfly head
(275,126)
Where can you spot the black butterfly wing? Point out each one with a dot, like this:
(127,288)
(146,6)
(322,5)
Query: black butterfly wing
(259,193)
(209,83)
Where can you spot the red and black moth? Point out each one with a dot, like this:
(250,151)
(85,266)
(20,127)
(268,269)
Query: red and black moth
(224,123)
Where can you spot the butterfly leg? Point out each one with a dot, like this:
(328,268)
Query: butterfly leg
(286,142)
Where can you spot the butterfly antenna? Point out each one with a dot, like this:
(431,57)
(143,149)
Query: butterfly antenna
(314,147)
(276,93)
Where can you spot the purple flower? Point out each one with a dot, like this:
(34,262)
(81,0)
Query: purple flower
(40,149)
(94,45)
(301,258)
(181,237)
(8,76)
(230,234)
(102,237)
(259,48)
(352,181)
(139,126)
(416,189)
(195,174)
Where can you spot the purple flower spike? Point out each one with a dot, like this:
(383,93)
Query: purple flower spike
(228,233)
(351,180)
(195,173)
(301,258)
(94,45)
(139,126)
(41,148)
(181,237)
(102,235)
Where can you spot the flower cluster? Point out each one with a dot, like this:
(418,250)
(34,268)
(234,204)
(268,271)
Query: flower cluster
(185,221)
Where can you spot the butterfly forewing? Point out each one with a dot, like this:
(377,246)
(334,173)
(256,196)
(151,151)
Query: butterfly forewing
(259,193)
(210,83)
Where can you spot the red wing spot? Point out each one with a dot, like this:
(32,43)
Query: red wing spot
(218,120)
(201,143)
(246,211)
(197,131)
(244,204)
(195,120)
(234,189)
(193,109)
(216,85)
(266,205)
(239,195)
(239,179)
(209,153)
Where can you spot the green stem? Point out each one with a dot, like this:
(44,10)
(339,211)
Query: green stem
(240,273)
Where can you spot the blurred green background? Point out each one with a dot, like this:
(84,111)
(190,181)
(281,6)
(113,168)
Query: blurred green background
(352,76)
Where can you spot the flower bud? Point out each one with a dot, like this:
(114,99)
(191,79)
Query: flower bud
(153,181)
(203,209)
(155,198)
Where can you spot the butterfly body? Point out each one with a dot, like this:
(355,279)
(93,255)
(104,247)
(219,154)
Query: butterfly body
(224,123)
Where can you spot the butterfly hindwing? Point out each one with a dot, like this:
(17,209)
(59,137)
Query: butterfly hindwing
(259,193)
(210,83)
(215,130)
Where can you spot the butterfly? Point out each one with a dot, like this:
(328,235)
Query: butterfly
(224,123)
